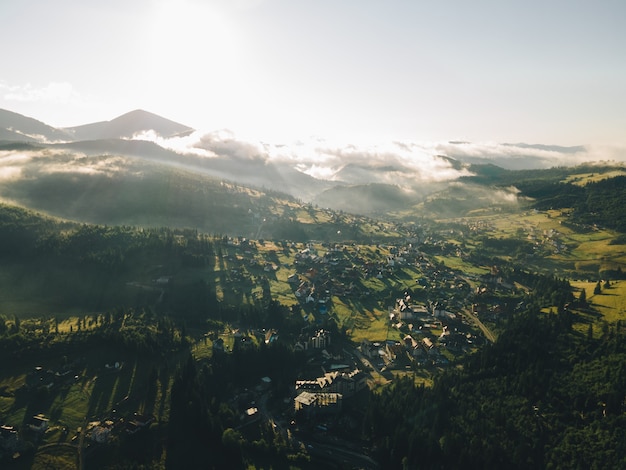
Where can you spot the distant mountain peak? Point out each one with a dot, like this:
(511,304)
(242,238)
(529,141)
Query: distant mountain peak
(141,114)
(128,125)
(19,128)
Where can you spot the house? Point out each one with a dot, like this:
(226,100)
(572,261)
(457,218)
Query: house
(38,423)
(218,345)
(409,342)
(309,403)
(100,432)
(394,349)
(163,280)
(138,422)
(419,310)
(9,438)
(369,349)
(39,377)
(439,310)
(401,311)
(320,340)
(266,383)
(271,336)
(418,353)
(350,383)
(320,384)
(345,383)
(251,415)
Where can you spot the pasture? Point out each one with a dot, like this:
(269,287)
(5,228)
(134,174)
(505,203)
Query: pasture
(94,390)
(610,303)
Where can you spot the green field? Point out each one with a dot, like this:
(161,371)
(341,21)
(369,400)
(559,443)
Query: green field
(582,179)
(582,253)
(610,304)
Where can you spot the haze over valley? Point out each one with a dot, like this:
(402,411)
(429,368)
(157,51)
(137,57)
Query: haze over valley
(93,171)
(255,234)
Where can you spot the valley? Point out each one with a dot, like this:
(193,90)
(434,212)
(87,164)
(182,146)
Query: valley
(155,313)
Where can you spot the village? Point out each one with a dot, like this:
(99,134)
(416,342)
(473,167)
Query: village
(431,321)
(429,318)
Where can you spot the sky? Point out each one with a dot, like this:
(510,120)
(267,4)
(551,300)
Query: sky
(549,72)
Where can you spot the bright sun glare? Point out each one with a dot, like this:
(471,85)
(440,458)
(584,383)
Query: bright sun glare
(194,49)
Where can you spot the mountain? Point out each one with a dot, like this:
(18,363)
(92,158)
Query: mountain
(374,198)
(255,172)
(16,127)
(128,125)
(357,179)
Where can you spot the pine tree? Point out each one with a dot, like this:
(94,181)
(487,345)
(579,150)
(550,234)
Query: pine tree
(598,289)
(582,299)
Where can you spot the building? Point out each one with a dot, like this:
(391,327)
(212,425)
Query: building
(320,340)
(310,403)
(345,383)
(9,438)
(38,423)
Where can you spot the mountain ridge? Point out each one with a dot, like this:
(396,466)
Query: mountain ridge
(352,179)
(128,125)
(17,127)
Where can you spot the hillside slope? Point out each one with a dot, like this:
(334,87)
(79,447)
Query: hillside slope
(16,127)
(128,125)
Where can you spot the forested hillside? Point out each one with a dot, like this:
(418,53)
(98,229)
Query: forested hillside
(542,396)
(513,356)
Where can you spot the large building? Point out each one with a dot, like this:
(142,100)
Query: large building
(345,383)
(311,403)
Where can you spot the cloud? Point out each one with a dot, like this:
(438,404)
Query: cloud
(81,164)
(54,92)
(392,164)
(10,173)
(185,145)
(16,165)
(403,163)
(224,143)
(8,158)
(509,195)
(512,156)
(606,153)
(11,165)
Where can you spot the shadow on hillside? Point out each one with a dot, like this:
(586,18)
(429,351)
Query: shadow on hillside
(112,387)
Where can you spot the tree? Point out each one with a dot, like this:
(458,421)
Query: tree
(231,439)
(582,299)
(598,289)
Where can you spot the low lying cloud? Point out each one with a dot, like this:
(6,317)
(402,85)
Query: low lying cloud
(81,164)
(392,163)
(11,165)
(513,156)
(508,195)
(401,163)
(31,164)
(10,173)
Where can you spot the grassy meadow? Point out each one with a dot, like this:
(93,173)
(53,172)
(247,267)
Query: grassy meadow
(140,384)
(581,254)
(607,306)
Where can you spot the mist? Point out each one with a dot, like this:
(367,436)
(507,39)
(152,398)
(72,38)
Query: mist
(404,163)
